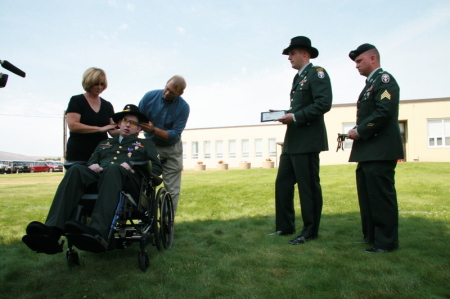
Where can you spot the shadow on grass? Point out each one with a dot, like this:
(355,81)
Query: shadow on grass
(236,258)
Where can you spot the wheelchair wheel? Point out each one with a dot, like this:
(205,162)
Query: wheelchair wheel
(143,260)
(166,220)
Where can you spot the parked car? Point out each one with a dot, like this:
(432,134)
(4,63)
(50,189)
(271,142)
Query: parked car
(4,168)
(57,166)
(19,167)
(41,167)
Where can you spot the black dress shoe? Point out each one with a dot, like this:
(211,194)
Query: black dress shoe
(84,237)
(42,238)
(299,240)
(75,227)
(38,228)
(376,250)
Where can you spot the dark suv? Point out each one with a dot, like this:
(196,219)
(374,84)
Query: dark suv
(19,167)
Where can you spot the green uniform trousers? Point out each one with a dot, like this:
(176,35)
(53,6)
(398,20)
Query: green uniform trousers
(378,203)
(110,182)
(303,170)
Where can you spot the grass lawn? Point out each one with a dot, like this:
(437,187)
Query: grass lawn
(221,248)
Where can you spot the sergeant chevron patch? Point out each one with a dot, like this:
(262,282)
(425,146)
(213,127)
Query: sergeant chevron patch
(386,95)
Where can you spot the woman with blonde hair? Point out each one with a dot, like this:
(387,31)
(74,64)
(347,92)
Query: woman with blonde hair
(89,117)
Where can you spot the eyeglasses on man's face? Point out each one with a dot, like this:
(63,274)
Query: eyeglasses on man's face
(132,123)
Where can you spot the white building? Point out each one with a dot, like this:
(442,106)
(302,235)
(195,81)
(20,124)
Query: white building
(425,127)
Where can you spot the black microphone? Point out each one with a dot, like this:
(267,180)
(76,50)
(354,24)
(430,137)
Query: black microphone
(5,64)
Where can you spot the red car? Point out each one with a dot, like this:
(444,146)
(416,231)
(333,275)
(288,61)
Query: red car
(41,167)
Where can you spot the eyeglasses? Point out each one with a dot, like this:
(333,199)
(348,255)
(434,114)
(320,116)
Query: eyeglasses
(130,122)
(99,83)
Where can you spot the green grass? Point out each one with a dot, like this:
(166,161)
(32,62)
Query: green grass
(221,248)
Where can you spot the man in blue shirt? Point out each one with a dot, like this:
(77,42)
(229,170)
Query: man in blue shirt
(168,113)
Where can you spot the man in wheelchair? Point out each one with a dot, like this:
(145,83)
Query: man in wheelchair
(109,168)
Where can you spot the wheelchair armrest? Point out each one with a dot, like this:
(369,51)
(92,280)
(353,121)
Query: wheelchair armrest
(145,169)
(70,164)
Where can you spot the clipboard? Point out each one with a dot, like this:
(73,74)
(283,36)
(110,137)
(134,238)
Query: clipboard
(272,115)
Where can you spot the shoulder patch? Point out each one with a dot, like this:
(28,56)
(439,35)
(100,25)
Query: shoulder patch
(319,69)
(385,78)
(321,74)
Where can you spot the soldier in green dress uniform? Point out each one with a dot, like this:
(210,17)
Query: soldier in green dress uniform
(377,146)
(108,168)
(306,137)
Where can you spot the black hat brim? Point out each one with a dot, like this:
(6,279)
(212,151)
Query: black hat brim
(118,116)
(313,51)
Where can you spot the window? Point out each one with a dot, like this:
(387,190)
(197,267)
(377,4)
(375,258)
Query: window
(439,132)
(272,147)
(219,149)
(258,148)
(194,150)
(345,128)
(245,150)
(231,148)
(207,149)
(184,150)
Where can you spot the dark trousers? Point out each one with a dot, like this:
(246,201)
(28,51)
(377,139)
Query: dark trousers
(378,203)
(76,180)
(303,170)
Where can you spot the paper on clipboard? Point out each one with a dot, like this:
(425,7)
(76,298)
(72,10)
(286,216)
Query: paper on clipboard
(272,115)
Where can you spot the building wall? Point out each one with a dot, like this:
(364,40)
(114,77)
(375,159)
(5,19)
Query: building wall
(414,113)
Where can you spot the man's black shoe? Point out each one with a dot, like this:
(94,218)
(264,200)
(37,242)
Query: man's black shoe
(299,240)
(42,238)
(38,228)
(84,237)
(376,250)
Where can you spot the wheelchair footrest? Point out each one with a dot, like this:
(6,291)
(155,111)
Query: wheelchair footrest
(87,242)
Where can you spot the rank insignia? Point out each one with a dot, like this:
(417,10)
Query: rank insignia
(386,95)
(321,74)
(385,78)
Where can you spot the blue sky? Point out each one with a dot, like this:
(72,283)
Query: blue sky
(228,51)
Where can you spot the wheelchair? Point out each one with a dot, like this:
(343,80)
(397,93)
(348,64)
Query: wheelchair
(145,216)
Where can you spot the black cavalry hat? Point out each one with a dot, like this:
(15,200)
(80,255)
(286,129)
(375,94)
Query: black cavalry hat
(130,109)
(361,49)
(302,42)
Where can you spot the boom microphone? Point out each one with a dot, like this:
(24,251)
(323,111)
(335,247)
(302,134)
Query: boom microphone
(5,64)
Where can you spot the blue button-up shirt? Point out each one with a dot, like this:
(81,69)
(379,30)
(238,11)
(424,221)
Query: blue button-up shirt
(170,116)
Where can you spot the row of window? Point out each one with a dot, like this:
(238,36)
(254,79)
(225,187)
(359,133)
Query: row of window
(438,136)
(231,151)
(438,132)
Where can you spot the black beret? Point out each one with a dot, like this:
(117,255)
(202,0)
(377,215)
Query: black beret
(361,49)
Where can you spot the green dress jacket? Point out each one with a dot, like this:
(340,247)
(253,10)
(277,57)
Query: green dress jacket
(377,121)
(130,149)
(311,97)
